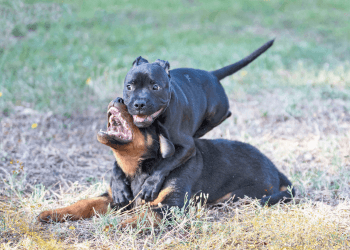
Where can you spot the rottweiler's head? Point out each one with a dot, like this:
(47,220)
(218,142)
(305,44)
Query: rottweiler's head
(147,90)
(130,144)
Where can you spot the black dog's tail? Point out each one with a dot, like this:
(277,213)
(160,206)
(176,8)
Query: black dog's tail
(284,194)
(229,70)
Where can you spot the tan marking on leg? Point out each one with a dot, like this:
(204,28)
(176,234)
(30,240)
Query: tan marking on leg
(161,196)
(80,210)
(224,198)
(283,188)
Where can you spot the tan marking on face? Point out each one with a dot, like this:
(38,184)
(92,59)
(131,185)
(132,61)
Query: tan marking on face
(224,198)
(283,188)
(128,156)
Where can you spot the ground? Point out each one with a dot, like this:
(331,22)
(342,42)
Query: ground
(311,146)
(61,62)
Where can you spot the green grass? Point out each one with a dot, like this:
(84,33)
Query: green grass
(49,49)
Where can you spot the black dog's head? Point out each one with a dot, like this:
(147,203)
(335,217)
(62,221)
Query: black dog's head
(147,90)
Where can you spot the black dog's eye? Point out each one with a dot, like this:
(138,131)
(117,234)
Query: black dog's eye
(128,87)
(155,87)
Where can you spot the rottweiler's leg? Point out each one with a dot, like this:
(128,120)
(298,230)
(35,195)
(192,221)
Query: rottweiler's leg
(257,191)
(254,191)
(283,194)
(80,210)
(120,186)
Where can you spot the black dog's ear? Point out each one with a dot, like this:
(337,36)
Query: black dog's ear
(164,64)
(139,61)
(167,148)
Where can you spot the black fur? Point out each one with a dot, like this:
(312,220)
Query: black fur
(191,103)
(220,167)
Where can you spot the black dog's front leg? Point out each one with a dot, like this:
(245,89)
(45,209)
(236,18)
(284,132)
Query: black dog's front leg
(153,184)
(120,187)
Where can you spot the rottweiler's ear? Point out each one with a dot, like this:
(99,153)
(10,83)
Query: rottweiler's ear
(167,148)
(139,61)
(164,64)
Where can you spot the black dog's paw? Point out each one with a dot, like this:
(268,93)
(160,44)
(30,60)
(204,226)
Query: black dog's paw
(151,187)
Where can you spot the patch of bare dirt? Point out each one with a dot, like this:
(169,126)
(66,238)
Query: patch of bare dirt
(51,149)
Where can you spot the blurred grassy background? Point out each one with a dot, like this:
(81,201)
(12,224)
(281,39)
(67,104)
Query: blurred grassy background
(72,56)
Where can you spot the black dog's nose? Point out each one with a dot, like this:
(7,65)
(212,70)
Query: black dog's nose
(139,104)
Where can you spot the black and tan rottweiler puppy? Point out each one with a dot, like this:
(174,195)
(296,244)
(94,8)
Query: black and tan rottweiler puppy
(186,102)
(222,169)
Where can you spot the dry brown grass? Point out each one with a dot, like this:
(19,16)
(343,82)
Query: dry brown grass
(306,136)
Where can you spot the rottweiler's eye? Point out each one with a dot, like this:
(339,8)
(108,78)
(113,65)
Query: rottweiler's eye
(155,87)
(128,87)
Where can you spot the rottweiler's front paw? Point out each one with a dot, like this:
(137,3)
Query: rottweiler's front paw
(122,197)
(121,192)
(151,187)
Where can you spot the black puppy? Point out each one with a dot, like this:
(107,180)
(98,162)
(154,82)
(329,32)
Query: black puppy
(221,168)
(186,102)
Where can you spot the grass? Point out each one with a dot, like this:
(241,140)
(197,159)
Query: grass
(49,49)
(61,62)
(242,225)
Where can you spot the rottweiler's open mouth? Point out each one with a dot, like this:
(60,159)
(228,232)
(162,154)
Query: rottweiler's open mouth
(118,128)
(147,119)
(117,125)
